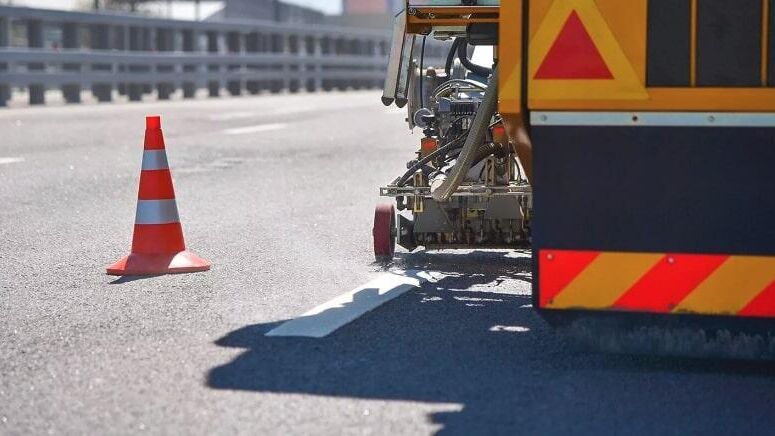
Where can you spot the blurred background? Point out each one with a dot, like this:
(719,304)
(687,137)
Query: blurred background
(86,51)
(304,11)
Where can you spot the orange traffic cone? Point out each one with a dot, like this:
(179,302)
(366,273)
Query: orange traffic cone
(157,244)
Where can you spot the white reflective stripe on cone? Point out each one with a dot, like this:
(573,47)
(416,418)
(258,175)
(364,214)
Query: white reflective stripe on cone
(156,212)
(155,160)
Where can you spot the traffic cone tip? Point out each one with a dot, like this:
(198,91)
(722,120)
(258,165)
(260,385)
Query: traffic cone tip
(153,122)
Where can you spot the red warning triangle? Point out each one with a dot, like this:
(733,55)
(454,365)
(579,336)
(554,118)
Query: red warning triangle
(573,55)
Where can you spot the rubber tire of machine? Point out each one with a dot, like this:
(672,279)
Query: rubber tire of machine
(384,232)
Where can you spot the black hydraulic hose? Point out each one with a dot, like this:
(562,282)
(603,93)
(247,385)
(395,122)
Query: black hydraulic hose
(488,149)
(420,163)
(422,73)
(485,150)
(451,56)
(462,53)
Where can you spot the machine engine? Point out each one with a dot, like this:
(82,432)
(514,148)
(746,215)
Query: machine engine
(464,187)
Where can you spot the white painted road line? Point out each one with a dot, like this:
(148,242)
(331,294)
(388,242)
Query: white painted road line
(295,110)
(10,160)
(232,116)
(255,129)
(328,317)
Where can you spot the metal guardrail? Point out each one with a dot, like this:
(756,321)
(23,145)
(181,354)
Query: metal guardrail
(138,55)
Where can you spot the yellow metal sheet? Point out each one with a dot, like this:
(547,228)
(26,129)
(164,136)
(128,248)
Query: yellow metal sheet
(510,58)
(625,84)
(659,283)
(731,287)
(619,29)
(605,280)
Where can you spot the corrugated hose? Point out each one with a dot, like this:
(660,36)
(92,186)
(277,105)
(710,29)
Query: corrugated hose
(476,136)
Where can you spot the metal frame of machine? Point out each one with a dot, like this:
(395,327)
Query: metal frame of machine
(646,140)
(465,188)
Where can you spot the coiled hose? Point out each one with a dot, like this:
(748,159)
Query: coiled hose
(419,164)
(476,136)
(459,48)
(462,54)
(451,56)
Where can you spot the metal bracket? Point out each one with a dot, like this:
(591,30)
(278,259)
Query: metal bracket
(419,182)
(397,78)
(489,171)
(512,189)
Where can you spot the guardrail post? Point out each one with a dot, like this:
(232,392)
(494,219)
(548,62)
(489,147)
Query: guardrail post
(383,53)
(5,31)
(190,42)
(380,52)
(376,55)
(122,43)
(165,43)
(251,48)
(165,90)
(371,53)
(309,68)
(105,37)
(70,41)
(264,46)
(356,49)
(341,49)
(293,68)
(277,47)
(213,46)
(282,68)
(367,52)
(327,48)
(150,35)
(37,91)
(5,41)
(234,46)
(140,39)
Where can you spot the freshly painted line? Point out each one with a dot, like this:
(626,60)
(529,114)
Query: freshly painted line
(10,160)
(307,109)
(231,116)
(294,110)
(328,317)
(255,129)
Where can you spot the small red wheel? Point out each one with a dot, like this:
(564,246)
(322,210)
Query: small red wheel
(384,232)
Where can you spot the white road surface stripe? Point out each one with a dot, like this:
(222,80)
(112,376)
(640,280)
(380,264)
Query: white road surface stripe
(232,116)
(294,110)
(328,317)
(255,129)
(10,160)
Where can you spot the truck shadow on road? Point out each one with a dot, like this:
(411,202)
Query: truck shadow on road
(464,340)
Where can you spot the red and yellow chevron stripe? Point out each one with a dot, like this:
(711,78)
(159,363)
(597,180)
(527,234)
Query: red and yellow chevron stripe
(657,282)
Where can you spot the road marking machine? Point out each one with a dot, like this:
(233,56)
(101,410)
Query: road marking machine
(630,144)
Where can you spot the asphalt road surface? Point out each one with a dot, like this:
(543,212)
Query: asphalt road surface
(278,192)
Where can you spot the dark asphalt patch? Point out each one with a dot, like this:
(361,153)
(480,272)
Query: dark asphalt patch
(433,345)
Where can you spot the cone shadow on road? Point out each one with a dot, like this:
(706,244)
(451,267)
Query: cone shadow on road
(463,340)
(128,279)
